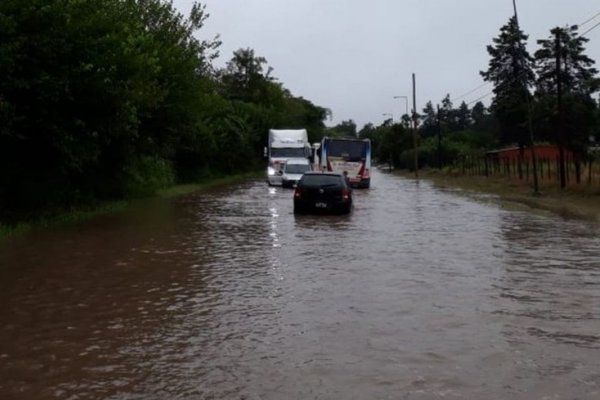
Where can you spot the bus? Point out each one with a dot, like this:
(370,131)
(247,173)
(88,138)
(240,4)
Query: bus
(352,157)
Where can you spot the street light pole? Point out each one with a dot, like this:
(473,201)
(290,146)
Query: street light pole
(391,159)
(406,100)
(415,132)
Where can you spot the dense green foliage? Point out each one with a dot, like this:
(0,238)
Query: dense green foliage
(343,129)
(443,138)
(106,99)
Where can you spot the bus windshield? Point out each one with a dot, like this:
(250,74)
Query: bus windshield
(351,150)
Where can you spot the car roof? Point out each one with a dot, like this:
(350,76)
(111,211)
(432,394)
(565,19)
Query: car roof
(323,173)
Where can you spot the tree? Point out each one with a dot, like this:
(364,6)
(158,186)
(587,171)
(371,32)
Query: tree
(463,117)
(577,72)
(570,124)
(247,77)
(447,115)
(429,127)
(447,106)
(389,140)
(302,113)
(105,99)
(368,131)
(344,129)
(511,71)
(479,114)
(87,76)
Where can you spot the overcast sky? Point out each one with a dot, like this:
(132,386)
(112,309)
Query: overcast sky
(354,56)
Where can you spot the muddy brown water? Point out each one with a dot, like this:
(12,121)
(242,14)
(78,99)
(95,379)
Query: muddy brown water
(420,293)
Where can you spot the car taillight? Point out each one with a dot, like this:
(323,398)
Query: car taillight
(298,193)
(345,194)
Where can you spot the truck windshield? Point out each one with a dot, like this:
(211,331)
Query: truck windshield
(287,152)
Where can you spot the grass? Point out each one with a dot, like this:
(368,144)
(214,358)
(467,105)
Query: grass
(85,213)
(180,190)
(576,201)
(62,218)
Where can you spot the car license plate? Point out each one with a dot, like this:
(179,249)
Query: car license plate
(321,205)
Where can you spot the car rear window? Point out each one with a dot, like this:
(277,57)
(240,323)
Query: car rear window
(321,180)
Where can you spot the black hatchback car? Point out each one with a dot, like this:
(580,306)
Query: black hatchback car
(323,192)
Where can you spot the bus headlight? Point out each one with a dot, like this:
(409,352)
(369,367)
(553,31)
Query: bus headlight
(270,171)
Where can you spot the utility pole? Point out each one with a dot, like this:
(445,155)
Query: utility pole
(561,149)
(536,186)
(415,133)
(515,8)
(439,135)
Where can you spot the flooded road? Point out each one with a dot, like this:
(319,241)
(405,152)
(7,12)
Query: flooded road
(420,293)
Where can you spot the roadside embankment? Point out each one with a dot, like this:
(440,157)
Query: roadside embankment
(576,201)
(56,218)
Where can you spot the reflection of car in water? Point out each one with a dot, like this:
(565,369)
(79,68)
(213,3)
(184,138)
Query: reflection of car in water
(292,171)
(322,192)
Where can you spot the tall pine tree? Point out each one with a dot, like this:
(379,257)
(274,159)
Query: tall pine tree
(570,125)
(511,71)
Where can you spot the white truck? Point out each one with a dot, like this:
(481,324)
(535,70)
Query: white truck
(284,145)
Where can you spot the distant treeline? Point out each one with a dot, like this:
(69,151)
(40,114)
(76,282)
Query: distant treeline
(550,97)
(108,99)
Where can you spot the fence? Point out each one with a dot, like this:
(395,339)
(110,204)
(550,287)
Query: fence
(548,169)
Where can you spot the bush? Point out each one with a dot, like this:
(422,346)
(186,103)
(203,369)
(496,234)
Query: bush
(145,175)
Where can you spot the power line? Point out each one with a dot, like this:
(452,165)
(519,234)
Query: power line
(471,91)
(480,98)
(591,29)
(589,20)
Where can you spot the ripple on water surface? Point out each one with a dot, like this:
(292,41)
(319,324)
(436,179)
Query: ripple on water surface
(420,293)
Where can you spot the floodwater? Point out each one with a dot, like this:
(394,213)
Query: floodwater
(420,293)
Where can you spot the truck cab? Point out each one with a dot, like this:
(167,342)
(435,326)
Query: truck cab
(285,145)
